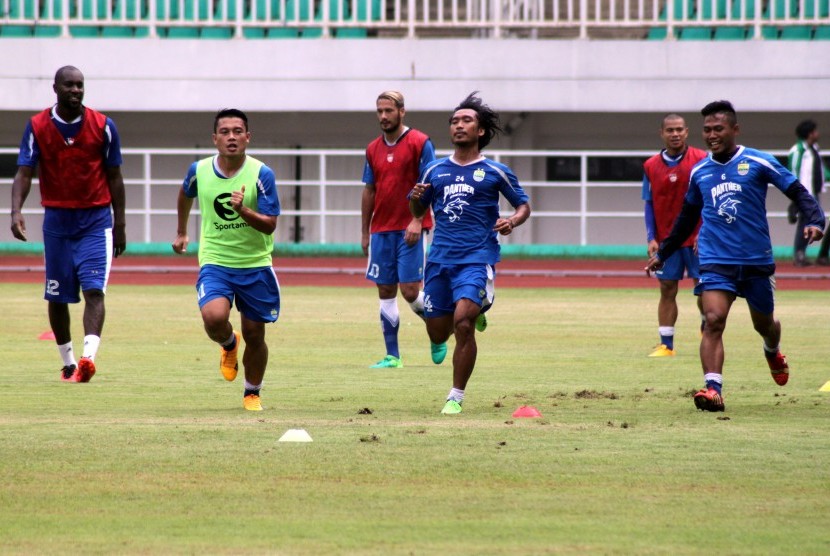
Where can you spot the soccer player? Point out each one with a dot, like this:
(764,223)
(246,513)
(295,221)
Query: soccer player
(463,191)
(665,182)
(78,155)
(239,208)
(804,160)
(728,189)
(392,238)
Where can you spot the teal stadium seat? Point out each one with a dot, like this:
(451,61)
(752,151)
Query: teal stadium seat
(308,5)
(223,10)
(125,11)
(779,9)
(50,10)
(796,33)
(258,11)
(90,10)
(193,12)
(739,9)
(730,34)
(295,10)
(19,9)
(695,33)
(660,33)
(363,11)
(822,33)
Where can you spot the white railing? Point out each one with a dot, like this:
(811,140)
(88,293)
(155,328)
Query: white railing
(409,18)
(321,197)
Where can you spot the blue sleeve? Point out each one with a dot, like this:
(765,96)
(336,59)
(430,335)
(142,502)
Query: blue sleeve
(779,175)
(267,200)
(189,184)
(646,192)
(693,195)
(29,152)
(651,229)
(427,155)
(112,145)
(511,189)
(368,174)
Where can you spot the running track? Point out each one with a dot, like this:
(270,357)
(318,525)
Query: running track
(349,272)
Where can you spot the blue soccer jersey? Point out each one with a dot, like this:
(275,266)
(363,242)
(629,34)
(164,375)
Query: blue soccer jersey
(465,202)
(733,196)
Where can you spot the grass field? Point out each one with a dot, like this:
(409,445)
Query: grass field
(156,454)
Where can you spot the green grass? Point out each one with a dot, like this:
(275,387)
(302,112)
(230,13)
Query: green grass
(156,455)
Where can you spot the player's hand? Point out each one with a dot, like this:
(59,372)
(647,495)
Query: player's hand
(119,239)
(653,246)
(504,226)
(654,263)
(236,199)
(364,244)
(418,191)
(812,233)
(180,244)
(19,226)
(413,232)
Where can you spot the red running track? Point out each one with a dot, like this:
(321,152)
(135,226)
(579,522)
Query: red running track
(349,272)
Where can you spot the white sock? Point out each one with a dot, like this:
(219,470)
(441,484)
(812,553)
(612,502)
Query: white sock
(456,394)
(389,309)
(249,386)
(91,344)
(771,350)
(67,355)
(418,305)
(713,377)
(229,341)
(665,330)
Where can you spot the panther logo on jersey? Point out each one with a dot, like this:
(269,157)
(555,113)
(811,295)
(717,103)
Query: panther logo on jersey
(455,208)
(729,209)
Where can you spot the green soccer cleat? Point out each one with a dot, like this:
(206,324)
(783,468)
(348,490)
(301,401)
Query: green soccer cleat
(439,352)
(388,362)
(481,322)
(452,407)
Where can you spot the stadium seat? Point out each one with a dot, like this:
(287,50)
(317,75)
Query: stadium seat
(334,15)
(695,33)
(779,9)
(822,33)
(797,33)
(713,9)
(18,9)
(660,33)
(730,34)
(16,31)
(291,11)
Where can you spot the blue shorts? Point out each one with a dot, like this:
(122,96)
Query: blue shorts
(256,290)
(77,246)
(446,284)
(684,259)
(756,283)
(392,261)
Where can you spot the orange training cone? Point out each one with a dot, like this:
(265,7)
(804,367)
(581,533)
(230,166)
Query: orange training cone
(48,335)
(527,411)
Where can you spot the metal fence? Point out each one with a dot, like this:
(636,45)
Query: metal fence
(252,19)
(574,197)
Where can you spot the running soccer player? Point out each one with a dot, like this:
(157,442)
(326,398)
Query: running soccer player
(78,155)
(728,189)
(463,191)
(239,208)
(392,238)
(665,182)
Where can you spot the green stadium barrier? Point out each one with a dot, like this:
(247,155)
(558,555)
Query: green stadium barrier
(619,252)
